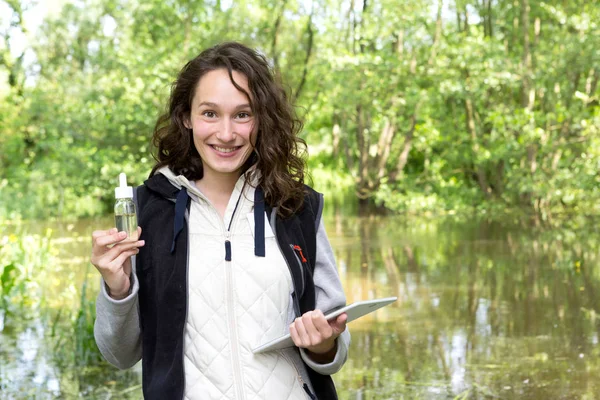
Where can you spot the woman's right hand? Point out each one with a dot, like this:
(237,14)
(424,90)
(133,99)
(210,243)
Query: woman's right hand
(111,255)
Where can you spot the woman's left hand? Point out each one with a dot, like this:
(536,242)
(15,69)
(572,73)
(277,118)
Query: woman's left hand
(313,332)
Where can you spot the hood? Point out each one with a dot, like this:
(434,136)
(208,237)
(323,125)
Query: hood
(165,183)
(178,182)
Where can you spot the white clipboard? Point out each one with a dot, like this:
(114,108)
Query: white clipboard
(354,311)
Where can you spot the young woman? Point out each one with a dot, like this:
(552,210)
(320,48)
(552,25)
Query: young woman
(233,252)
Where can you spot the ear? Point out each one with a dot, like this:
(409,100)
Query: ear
(187,123)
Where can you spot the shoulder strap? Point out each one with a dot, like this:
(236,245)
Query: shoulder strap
(140,197)
(311,214)
(135,200)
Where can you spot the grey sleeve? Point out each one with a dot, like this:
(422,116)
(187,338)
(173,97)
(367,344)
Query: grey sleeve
(329,297)
(116,329)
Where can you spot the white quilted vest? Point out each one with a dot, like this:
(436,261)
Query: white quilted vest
(233,306)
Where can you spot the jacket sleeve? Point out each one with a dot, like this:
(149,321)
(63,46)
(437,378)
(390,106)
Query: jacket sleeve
(329,297)
(117,329)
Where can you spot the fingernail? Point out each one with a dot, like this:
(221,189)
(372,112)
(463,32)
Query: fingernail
(142,242)
(123,233)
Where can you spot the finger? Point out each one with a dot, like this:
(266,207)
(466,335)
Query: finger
(338,325)
(321,324)
(127,266)
(128,245)
(116,250)
(105,240)
(120,260)
(97,234)
(295,336)
(304,339)
(313,333)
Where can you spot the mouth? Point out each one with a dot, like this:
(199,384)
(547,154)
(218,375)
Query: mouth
(225,150)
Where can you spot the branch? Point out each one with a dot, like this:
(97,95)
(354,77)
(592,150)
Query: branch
(438,32)
(276,33)
(383,147)
(307,58)
(408,138)
(403,159)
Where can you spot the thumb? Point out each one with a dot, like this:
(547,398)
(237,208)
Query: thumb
(339,324)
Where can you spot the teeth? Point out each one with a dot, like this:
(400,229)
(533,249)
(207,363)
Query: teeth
(224,150)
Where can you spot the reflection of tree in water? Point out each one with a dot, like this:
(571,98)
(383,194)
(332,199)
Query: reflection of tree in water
(485,307)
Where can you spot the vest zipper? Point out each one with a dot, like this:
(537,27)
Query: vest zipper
(227,234)
(298,376)
(235,356)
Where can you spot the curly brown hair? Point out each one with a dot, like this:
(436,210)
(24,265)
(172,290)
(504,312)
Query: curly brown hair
(279,152)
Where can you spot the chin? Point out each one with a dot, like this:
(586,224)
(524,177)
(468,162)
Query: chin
(229,170)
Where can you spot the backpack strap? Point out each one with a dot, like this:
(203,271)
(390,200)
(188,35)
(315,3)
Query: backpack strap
(135,200)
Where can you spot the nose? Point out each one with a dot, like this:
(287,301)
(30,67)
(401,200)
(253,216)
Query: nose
(226,131)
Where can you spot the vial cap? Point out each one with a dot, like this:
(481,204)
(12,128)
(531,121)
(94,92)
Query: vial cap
(123,191)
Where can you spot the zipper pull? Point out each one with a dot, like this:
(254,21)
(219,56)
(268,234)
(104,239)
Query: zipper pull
(227,247)
(307,390)
(299,250)
(227,250)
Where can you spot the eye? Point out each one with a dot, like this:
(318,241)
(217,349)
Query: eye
(243,115)
(209,114)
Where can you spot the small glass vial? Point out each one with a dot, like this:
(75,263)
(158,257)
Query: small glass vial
(125,213)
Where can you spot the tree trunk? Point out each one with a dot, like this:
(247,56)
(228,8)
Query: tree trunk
(591,82)
(528,93)
(309,47)
(363,156)
(384,148)
(594,82)
(438,32)
(499,178)
(276,34)
(481,177)
(403,158)
(489,18)
(400,44)
(335,133)
(349,156)
(354,23)
(362,18)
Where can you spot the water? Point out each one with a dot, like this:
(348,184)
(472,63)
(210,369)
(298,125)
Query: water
(127,223)
(485,310)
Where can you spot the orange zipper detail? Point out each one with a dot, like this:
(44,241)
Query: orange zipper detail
(299,250)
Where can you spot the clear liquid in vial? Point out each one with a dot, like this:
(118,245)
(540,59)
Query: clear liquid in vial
(127,223)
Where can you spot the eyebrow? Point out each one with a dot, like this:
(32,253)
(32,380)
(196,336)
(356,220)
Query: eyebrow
(215,105)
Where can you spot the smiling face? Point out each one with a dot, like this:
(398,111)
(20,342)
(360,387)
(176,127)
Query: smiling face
(222,123)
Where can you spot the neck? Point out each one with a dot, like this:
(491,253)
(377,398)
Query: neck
(217,186)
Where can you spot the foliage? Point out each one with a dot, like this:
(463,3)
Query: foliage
(80,349)
(424,105)
(22,258)
(485,309)
(48,331)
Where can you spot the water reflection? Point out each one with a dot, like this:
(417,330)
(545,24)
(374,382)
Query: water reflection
(486,310)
